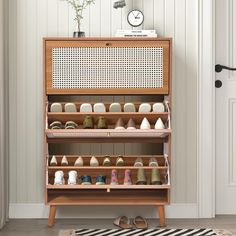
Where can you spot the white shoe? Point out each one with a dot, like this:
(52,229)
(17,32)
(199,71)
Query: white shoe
(145,107)
(115,107)
(70,107)
(56,107)
(158,107)
(53,161)
(94,161)
(159,124)
(145,124)
(86,107)
(72,177)
(64,161)
(99,107)
(59,178)
(129,107)
(79,161)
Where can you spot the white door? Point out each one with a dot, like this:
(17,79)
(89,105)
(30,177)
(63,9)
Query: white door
(226,108)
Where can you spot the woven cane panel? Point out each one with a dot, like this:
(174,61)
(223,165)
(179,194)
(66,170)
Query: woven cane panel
(110,67)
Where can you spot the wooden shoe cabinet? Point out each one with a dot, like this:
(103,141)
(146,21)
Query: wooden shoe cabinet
(107,67)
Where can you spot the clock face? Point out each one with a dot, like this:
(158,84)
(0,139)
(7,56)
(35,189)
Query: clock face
(135,18)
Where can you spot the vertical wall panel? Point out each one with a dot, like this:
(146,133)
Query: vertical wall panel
(36,19)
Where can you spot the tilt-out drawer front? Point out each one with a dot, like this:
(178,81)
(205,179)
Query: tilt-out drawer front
(85,66)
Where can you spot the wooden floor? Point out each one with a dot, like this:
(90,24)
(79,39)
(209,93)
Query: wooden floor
(39,227)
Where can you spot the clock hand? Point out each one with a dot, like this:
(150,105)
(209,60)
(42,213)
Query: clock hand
(137,15)
(133,14)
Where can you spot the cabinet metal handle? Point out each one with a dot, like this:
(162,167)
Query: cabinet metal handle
(219,68)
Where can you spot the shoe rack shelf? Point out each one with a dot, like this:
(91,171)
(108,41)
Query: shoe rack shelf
(66,65)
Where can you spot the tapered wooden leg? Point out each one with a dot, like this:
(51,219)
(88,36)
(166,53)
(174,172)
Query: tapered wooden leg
(51,217)
(161,212)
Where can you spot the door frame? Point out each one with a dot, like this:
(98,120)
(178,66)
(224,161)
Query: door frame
(206,109)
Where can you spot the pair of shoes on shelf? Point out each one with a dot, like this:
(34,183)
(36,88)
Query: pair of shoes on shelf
(59,125)
(57,107)
(156,107)
(64,161)
(59,177)
(127,177)
(120,124)
(97,107)
(146,125)
(125,223)
(89,123)
(116,107)
(87,180)
(155,178)
(139,162)
(107,161)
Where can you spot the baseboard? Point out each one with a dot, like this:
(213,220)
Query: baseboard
(40,211)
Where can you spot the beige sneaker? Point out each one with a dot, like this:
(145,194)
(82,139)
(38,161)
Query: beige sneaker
(120,161)
(70,107)
(138,162)
(145,124)
(56,107)
(64,161)
(159,124)
(94,161)
(53,161)
(120,124)
(79,161)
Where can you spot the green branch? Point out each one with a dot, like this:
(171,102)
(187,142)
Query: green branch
(79,6)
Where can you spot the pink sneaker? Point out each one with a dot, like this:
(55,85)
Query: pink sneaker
(114,179)
(127,179)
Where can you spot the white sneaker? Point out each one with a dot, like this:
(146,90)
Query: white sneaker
(99,107)
(86,107)
(79,161)
(159,124)
(158,107)
(129,107)
(115,107)
(53,161)
(72,177)
(145,107)
(145,124)
(94,161)
(56,107)
(64,161)
(70,107)
(59,178)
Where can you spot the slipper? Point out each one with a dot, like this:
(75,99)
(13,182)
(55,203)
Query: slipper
(140,222)
(131,124)
(86,107)
(115,107)
(64,161)
(53,161)
(56,107)
(123,222)
(129,107)
(138,162)
(70,107)
(145,124)
(120,124)
(145,107)
(99,107)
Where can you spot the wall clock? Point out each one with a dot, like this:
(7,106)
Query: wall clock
(135,18)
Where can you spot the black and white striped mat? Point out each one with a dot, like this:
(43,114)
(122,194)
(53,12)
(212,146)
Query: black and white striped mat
(140,232)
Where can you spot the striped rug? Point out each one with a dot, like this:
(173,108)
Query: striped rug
(149,232)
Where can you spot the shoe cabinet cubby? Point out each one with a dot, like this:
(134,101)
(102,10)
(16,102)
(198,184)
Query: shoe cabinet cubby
(139,69)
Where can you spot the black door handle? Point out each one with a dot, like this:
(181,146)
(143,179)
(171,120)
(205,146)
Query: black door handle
(219,68)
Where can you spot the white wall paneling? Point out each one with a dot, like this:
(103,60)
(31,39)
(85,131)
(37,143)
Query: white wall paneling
(33,19)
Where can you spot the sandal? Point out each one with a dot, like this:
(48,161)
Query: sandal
(140,222)
(123,222)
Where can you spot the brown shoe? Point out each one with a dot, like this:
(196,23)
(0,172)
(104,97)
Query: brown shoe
(88,122)
(120,124)
(131,124)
